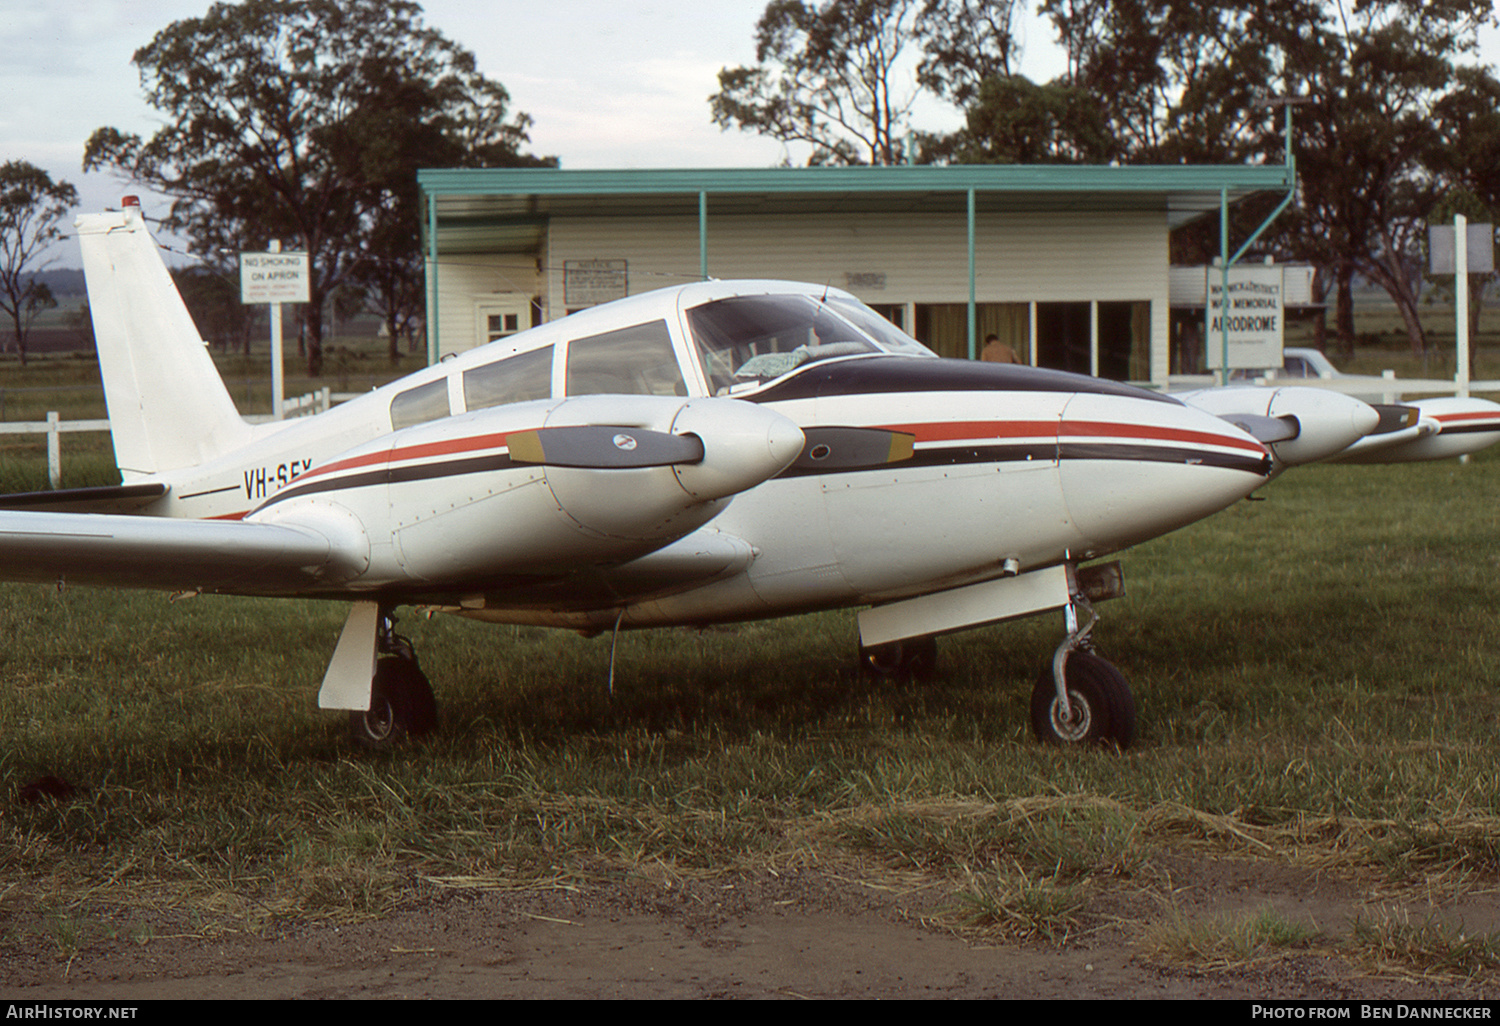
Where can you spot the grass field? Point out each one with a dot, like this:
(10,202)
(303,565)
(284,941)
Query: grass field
(1315,675)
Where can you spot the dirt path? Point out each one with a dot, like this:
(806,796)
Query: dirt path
(806,934)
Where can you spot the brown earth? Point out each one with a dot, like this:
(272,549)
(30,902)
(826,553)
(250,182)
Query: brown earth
(797,934)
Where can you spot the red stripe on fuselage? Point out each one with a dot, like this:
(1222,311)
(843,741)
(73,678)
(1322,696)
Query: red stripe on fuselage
(1445,418)
(976,430)
(447,447)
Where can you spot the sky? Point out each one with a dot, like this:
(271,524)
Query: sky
(608,83)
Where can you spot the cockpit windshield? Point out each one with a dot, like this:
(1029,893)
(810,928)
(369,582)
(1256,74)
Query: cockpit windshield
(749,339)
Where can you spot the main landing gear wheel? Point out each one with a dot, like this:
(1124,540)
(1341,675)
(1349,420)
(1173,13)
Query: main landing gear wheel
(401,705)
(912,659)
(1102,709)
(401,700)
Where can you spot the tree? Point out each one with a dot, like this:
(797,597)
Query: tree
(1012,120)
(827,76)
(1370,151)
(966,43)
(1469,123)
(31,204)
(287,119)
(394,138)
(1179,81)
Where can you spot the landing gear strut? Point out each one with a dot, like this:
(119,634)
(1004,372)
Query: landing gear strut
(1080,698)
(401,699)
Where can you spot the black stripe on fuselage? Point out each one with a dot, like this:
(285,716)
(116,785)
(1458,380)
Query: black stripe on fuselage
(1470,429)
(397,475)
(959,455)
(883,375)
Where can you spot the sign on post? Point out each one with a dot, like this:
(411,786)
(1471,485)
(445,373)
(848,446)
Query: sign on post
(1475,256)
(1254,317)
(275,278)
(1479,249)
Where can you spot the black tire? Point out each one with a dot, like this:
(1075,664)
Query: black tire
(1102,705)
(401,706)
(912,659)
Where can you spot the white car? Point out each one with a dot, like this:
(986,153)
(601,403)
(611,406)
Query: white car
(1311,367)
(1295,363)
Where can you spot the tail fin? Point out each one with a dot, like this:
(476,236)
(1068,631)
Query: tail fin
(168,407)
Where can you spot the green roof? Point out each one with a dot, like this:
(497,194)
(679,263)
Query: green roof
(507,208)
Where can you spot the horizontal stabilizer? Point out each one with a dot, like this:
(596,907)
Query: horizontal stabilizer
(108,499)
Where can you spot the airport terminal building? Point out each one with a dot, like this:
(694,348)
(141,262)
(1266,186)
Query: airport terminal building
(1067,265)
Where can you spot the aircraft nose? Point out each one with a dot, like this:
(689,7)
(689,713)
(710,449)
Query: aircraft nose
(1133,469)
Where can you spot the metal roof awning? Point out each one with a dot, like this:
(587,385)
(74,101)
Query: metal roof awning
(507,209)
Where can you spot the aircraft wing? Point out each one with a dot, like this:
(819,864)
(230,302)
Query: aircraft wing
(162,553)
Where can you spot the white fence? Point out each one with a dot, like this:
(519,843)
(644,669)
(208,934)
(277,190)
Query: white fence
(1387,388)
(54,427)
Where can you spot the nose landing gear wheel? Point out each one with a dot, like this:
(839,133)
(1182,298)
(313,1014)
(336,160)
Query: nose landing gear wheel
(1102,707)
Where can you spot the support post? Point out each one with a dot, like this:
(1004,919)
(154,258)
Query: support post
(973,312)
(54,451)
(432,282)
(1461,302)
(278,367)
(703,236)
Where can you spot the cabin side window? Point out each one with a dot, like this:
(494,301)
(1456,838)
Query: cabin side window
(421,404)
(638,360)
(515,379)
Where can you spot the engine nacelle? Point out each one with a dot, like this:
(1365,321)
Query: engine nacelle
(1328,422)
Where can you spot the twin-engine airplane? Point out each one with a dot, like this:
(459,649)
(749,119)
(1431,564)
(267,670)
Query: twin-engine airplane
(714,452)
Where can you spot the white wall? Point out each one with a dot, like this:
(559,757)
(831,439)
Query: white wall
(886,258)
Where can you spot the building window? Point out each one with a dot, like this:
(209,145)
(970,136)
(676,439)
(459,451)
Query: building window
(945,327)
(1124,344)
(500,316)
(1106,339)
(1063,336)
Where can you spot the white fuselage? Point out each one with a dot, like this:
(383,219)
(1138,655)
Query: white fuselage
(1009,466)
